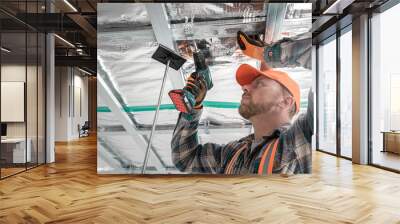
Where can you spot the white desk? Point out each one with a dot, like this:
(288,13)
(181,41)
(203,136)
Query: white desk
(19,149)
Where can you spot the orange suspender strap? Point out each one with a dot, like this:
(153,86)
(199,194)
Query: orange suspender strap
(229,168)
(272,158)
(264,156)
(268,155)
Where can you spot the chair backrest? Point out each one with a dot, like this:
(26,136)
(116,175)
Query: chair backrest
(86,125)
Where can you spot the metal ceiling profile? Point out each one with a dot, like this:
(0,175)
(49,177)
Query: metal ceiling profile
(163,36)
(275,16)
(216,20)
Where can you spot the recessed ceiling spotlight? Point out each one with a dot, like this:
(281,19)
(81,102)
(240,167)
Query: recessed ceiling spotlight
(70,5)
(5,50)
(64,40)
(337,7)
(84,71)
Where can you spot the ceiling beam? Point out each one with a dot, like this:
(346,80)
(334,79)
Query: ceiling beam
(49,22)
(86,27)
(205,30)
(159,21)
(338,6)
(80,20)
(275,16)
(83,61)
(320,23)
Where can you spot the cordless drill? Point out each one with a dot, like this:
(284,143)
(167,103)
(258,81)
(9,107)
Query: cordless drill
(183,99)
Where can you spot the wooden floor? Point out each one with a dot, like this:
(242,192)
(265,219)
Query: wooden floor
(70,191)
(10,171)
(388,159)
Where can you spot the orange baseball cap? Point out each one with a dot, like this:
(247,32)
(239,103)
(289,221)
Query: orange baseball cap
(246,73)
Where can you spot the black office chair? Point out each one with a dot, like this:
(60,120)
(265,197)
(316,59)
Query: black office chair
(84,130)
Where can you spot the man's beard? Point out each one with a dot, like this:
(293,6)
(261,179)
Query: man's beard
(251,109)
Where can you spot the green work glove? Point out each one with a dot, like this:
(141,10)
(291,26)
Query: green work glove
(196,85)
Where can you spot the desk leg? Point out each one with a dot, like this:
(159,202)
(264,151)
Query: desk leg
(384,143)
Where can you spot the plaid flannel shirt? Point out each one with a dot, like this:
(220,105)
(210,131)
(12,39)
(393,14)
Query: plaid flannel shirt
(293,155)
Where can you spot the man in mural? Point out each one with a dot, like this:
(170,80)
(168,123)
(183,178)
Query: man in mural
(270,100)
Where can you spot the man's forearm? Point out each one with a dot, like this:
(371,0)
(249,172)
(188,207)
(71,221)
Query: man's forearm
(184,140)
(310,111)
(187,154)
(305,121)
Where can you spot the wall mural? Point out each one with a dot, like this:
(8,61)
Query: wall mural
(204,88)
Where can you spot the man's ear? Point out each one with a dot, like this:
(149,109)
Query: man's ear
(288,101)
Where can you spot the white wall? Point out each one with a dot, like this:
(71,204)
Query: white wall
(61,103)
(79,117)
(314,88)
(70,83)
(12,73)
(33,125)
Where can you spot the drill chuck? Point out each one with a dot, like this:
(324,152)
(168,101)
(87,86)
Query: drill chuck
(202,68)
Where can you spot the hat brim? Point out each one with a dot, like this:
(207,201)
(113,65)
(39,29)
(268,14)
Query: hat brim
(245,74)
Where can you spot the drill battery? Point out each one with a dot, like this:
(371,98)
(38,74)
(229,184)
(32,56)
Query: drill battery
(183,99)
